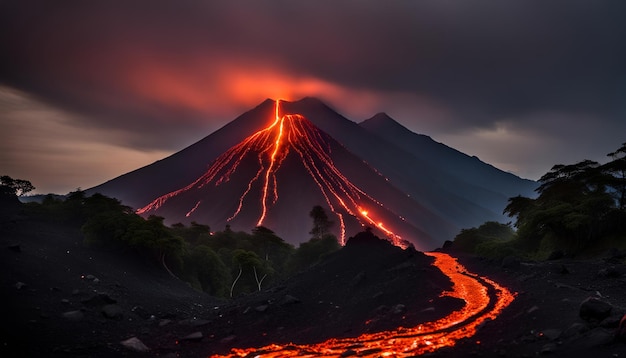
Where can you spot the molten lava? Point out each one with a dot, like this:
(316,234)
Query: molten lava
(292,134)
(484,300)
(288,133)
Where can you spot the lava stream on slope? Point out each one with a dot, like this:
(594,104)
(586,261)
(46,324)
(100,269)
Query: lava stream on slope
(287,135)
(484,300)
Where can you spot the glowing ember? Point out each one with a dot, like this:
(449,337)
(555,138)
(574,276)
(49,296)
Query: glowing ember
(480,305)
(289,133)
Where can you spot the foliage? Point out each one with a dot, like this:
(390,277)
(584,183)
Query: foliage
(19,186)
(488,234)
(312,251)
(579,207)
(206,271)
(321,223)
(219,263)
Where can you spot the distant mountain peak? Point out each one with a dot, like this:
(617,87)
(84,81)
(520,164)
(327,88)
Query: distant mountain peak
(383,121)
(381,116)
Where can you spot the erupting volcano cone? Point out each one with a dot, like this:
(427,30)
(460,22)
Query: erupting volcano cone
(275,176)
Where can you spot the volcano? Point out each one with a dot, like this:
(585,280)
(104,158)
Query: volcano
(276,175)
(272,164)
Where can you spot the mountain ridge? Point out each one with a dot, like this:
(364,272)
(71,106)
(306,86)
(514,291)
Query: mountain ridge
(263,168)
(446,202)
(481,178)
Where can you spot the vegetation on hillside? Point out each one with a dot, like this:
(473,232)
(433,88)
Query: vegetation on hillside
(223,263)
(580,210)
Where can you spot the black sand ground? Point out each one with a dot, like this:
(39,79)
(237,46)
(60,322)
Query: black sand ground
(62,299)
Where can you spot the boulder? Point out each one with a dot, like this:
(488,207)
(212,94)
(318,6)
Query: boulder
(112,311)
(134,344)
(74,316)
(195,336)
(594,309)
(288,300)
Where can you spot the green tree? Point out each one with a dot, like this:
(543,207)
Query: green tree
(469,239)
(578,206)
(193,233)
(312,251)
(19,186)
(616,170)
(251,271)
(205,269)
(271,248)
(321,223)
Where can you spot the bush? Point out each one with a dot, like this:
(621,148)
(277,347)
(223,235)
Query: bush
(486,236)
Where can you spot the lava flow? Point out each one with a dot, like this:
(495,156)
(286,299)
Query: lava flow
(289,133)
(484,300)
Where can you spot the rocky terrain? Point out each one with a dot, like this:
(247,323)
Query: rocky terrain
(60,299)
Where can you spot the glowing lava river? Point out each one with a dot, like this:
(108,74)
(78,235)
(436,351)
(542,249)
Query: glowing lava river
(484,301)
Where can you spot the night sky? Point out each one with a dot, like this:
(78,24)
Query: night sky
(90,90)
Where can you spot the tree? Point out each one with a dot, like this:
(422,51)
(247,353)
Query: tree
(250,263)
(616,169)
(19,186)
(578,206)
(312,251)
(205,267)
(321,223)
(469,239)
(271,248)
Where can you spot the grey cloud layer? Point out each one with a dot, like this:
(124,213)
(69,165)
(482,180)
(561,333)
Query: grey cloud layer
(482,60)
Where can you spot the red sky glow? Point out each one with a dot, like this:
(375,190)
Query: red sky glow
(521,85)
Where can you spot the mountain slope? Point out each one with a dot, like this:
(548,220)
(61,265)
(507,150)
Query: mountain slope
(275,176)
(443,191)
(434,190)
(481,182)
(140,186)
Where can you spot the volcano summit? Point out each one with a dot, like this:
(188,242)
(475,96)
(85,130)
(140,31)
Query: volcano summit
(287,158)
(271,165)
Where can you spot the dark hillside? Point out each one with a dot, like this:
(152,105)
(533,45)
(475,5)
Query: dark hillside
(60,299)
(139,187)
(467,177)
(55,291)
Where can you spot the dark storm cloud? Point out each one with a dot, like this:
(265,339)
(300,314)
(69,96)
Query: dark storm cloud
(152,65)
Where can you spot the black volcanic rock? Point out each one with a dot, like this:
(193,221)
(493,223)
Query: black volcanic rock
(360,288)
(593,308)
(367,238)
